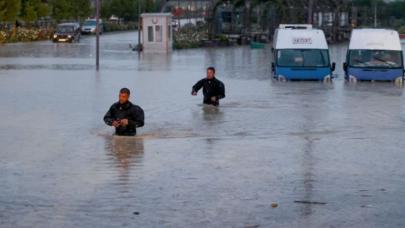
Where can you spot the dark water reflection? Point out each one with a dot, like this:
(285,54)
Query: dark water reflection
(127,153)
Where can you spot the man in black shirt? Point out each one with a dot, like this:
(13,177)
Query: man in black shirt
(213,89)
(124,115)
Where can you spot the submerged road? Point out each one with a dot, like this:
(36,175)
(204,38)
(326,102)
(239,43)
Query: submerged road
(295,154)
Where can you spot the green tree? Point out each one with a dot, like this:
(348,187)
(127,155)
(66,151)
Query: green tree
(43,10)
(80,9)
(29,10)
(2,8)
(10,10)
(127,9)
(60,9)
(106,9)
(70,9)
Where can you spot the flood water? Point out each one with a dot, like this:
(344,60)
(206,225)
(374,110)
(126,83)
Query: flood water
(329,155)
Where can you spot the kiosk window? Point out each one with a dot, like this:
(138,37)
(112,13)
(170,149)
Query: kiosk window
(150,34)
(158,30)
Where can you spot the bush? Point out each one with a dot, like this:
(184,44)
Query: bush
(189,37)
(113,27)
(401,30)
(4,36)
(24,35)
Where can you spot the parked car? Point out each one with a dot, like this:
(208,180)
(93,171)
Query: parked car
(67,32)
(89,26)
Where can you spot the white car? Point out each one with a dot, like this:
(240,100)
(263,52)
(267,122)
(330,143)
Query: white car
(89,26)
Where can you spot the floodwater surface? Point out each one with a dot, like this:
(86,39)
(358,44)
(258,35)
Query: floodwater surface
(295,154)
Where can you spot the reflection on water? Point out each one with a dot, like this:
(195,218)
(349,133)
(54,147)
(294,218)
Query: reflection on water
(126,152)
(387,88)
(308,172)
(212,114)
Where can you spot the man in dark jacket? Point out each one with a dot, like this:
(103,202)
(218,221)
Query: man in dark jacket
(124,115)
(213,89)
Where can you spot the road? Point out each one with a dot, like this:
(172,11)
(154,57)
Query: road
(295,154)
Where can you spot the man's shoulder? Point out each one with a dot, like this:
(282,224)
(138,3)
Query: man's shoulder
(115,105)
(134,106)
(219,81)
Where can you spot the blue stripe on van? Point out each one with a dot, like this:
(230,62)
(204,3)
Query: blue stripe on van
(375,74)
(316,73)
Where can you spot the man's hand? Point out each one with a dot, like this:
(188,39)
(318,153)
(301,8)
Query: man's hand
(213,99)
(116,123)
(124,122)
(194,93)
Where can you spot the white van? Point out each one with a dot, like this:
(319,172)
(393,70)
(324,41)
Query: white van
(374,54)
(301,53)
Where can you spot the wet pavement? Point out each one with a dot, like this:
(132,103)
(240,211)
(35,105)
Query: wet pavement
(329,155)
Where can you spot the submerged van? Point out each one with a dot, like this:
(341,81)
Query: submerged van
(301,53)
(374,54)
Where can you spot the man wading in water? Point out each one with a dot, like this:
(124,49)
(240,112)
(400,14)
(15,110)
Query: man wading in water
(213,89)
(124,115)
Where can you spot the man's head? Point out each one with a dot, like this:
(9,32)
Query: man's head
(124,95)
(210,72)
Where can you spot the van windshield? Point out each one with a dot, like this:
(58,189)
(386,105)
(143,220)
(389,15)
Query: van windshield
(89,23)
(375,58)
(303,58)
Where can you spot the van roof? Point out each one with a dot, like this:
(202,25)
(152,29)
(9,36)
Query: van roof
(289,38)
(375,39)
(295,26)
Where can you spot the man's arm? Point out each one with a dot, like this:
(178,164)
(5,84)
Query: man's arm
(137,117)
(109,117)
(221,90)
(197,87)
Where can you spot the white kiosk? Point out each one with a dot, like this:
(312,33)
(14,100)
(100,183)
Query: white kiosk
(156,33)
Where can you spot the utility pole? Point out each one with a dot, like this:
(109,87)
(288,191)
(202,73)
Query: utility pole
(375,14)
(310,11)
(97,34)
(178,14)
(139,25)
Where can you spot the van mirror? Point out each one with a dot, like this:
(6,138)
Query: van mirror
(273,67)
(345,67)
(333,67)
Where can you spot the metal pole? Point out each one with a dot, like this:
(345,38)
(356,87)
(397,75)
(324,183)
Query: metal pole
(139,25)
(97,34)
(310,11)
(178,14)
(375,14)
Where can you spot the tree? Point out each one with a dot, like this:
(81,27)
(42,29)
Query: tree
(127,9)
(70,9)
(43,10)
(80,9)
(60,9)
(2,8)
(29,10)
(10,10)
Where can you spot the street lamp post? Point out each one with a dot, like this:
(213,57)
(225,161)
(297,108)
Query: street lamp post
(97,34)
(375,14)
(139,25)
